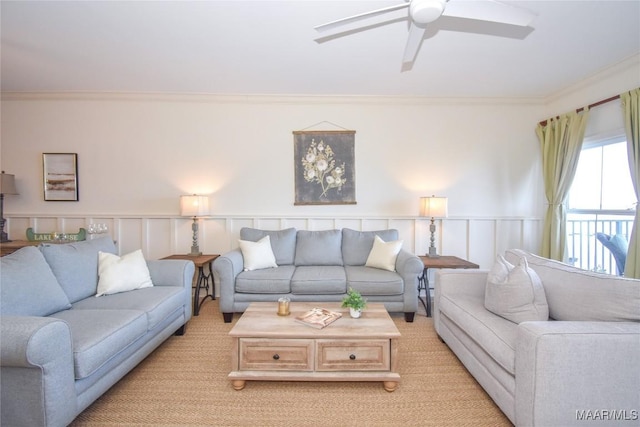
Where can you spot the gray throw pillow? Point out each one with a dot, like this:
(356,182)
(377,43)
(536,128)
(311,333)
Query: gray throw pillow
(283,242)
(29,287)
(319,247)
(75,265)
(515,292)
(356,245)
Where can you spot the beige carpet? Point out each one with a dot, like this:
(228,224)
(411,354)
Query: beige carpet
(184,383)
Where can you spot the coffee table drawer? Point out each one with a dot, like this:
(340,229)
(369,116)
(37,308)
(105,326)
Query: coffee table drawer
(260,354)
(353,355)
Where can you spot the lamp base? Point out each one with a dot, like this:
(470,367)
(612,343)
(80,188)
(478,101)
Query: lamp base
(4,237)
(195,251)
(432,253)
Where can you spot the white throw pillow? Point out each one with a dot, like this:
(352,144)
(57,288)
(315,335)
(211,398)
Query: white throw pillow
(383,254)
(121,274)
(257,255)
(515,292)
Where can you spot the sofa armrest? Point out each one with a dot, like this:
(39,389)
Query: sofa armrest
(460,281)
(174,272)
(171,272)
(37,371)
(225,270)
(451,282)
(566,371)
(409,267)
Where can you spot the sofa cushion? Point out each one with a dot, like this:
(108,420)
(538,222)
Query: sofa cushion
(75,265)
(29,287)
(158,302)
(319,247)
(267,281)
(99,335)
(576,294)
(373,281)
(283,242)
(383,254)
(257,255)
(515,292)
(356,245)
(319,280)
(121,274)
(496,335)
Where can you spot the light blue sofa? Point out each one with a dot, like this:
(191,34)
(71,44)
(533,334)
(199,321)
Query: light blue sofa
(62,347)
(318,266)
(580,367)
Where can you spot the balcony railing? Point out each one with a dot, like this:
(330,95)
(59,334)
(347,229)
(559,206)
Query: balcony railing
(584,249)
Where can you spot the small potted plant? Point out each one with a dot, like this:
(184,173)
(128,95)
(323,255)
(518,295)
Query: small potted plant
(355,302)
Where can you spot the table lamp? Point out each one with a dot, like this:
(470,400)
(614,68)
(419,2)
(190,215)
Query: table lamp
(194,206)
(433,207)
(7,186)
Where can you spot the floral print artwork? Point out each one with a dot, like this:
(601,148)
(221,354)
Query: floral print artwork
(324,167)
(320,167)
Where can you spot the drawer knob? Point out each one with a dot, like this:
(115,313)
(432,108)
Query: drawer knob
(352,357)
(276,356)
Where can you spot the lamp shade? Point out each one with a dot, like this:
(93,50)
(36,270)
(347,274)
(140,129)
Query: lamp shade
(433,207)
(194,205)
(7,184)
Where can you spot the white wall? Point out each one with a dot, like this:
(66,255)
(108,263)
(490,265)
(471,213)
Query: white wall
(138,153)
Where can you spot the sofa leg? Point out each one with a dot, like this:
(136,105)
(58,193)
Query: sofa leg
(408,316)
(181,330)
(228,317)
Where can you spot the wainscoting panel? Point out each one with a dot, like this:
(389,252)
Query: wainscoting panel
(475,239)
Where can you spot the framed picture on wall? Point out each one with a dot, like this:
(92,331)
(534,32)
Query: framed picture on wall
(324,167)
(60,172)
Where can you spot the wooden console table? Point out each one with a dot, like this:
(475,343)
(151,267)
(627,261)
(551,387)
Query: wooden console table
(12,246)
(438,262)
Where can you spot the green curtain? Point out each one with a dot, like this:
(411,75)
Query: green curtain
(561,141)
(631,111)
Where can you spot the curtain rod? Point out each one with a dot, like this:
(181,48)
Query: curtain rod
(595,104)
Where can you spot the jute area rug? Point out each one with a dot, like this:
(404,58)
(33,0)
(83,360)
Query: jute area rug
(184,383)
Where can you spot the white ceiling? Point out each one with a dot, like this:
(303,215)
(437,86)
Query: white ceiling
(268,47)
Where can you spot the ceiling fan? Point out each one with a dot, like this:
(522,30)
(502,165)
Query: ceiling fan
(424,12)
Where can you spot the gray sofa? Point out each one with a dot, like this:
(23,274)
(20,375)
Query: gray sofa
(318,266)
(578,367)
(63,347)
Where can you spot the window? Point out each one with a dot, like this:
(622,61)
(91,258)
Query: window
(601,200)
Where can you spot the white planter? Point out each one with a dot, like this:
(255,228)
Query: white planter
(354,313)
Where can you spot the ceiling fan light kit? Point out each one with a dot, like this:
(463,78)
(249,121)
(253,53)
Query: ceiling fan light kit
(426,11)
(423,12)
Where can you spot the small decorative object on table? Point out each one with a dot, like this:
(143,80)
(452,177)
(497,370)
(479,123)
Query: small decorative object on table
(318,317)
(95,229)
(355,302)
(283,306)
(55,237)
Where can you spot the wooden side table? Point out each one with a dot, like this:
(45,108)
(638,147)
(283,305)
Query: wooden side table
(437,262)
(7,248)
(202,282)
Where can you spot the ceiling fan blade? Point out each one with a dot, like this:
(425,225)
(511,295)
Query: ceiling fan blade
(489,10)
(414,41)
(350,19)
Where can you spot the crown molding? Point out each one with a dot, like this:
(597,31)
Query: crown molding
(260,98)
(630,62)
